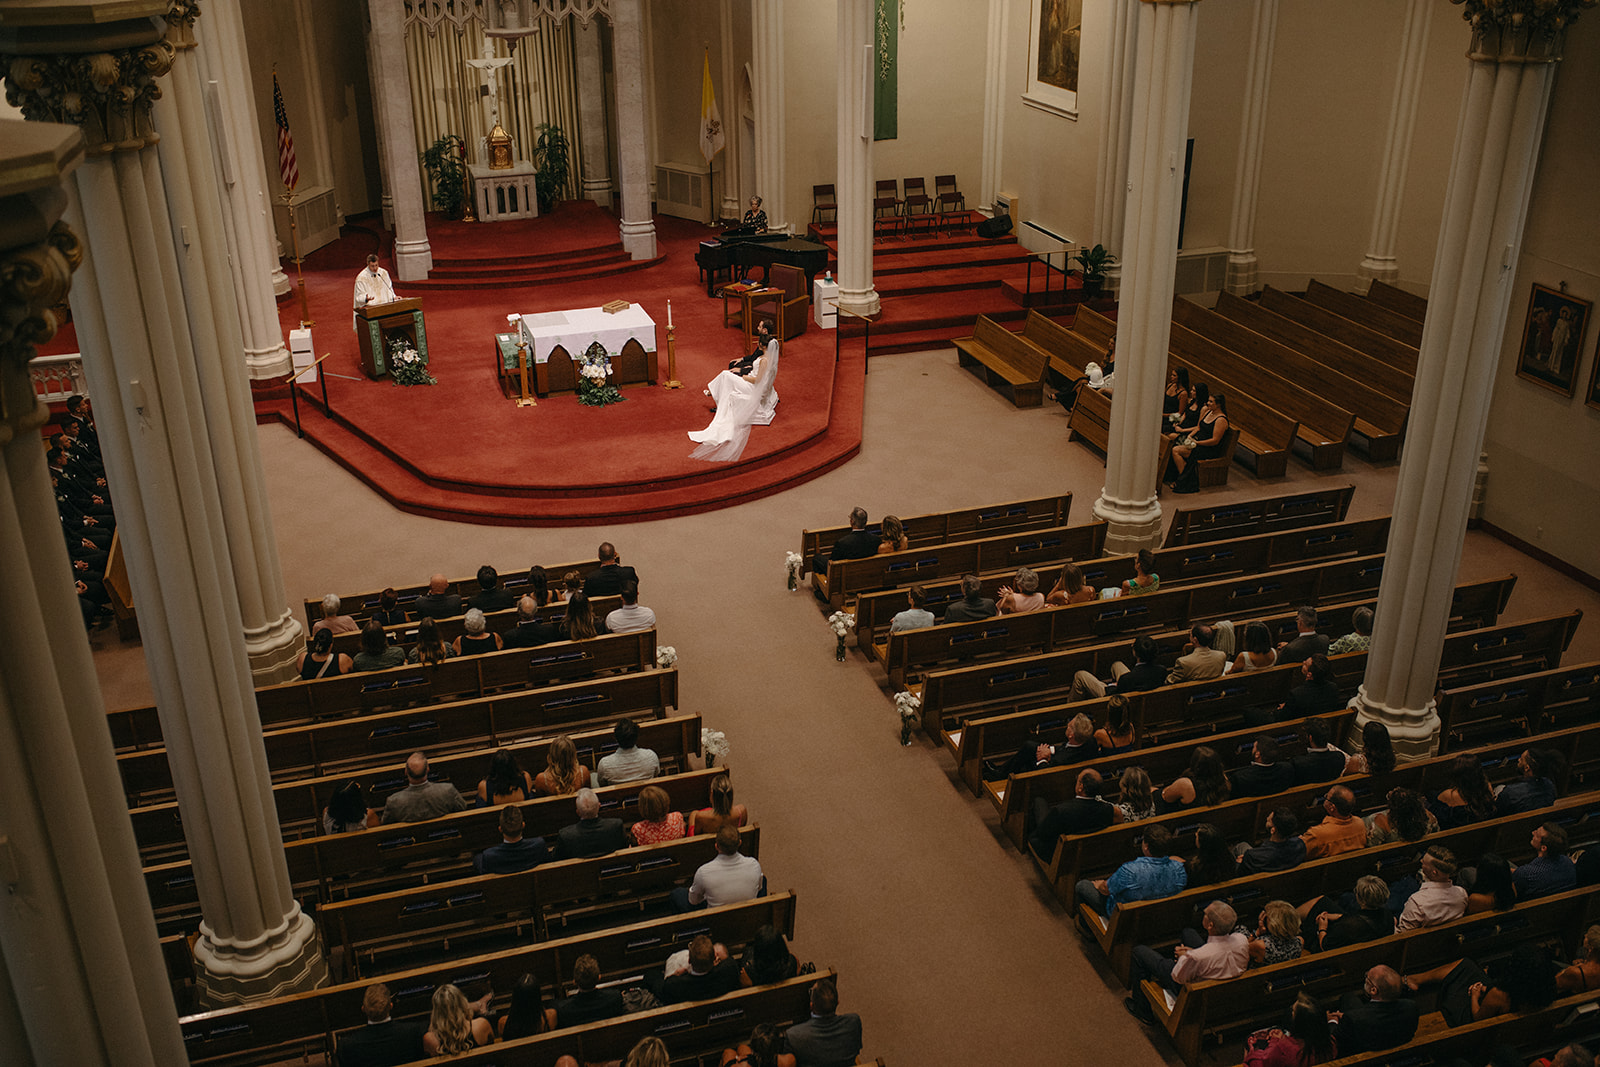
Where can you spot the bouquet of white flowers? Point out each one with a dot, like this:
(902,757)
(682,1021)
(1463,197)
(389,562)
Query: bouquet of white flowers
(666,656)
(406,367)
(907,703)
(594,378)
(714,743)
(841,622)
(793,560)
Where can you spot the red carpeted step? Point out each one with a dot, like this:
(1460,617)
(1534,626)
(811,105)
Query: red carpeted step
(511,279)
(550,264)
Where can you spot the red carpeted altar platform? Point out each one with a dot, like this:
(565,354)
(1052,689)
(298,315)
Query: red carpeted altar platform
(459,450)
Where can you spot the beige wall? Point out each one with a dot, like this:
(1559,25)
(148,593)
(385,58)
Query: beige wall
(1544,480)
(810,65)
(1216,108)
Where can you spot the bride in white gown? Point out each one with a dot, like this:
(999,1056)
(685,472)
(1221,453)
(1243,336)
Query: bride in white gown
(742,401)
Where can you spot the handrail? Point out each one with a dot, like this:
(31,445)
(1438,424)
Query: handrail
(1066,252)
(293,378)
(866,337)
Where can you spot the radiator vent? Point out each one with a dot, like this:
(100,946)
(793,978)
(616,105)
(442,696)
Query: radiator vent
(1201,270)
(316,217)
(682,191)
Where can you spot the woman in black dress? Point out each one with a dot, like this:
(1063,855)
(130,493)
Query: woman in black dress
(1183,471)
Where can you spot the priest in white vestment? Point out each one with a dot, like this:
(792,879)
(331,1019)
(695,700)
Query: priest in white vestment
(742,400)
(372,287)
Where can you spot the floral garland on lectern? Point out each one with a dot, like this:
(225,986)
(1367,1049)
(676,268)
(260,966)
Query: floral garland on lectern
(406,367)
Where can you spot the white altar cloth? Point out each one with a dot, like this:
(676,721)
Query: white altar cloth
(576,330)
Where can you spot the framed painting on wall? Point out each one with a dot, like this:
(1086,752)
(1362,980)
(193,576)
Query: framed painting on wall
(1055,42)
(1552,338)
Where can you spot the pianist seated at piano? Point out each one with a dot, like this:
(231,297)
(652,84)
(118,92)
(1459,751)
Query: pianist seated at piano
(742,400)
(755,220)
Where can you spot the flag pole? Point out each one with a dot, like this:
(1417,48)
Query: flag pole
(306,321)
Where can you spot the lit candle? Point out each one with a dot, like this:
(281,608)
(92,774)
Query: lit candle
(669,314)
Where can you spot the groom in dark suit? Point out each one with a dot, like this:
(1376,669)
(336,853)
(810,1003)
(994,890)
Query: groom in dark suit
(607,579)
(382,1042)
(827,1039)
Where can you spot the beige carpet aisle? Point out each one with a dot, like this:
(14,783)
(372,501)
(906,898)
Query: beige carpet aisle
(945,941)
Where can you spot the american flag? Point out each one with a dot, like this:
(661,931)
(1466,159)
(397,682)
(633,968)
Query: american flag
(287,168)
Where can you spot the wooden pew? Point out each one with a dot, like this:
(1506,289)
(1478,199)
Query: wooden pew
(317,749)
(1208,1010)
(1263,431)
(1332,353)
(308,1020)
(1568,1019)
(1374,316)
(446,916)
(1221,522)
(359,606)
(1380,346)
(1548,699)
(463,676)
(1394,298)
(849,578)
(963,524)
(299,801)
(1380,417)
(1099,330)
(500,622)
(1090,419)
(1007,362)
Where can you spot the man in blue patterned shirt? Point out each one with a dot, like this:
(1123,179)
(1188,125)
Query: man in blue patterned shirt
(1154,875)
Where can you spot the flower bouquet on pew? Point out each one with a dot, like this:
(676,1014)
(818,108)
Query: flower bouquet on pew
(907,704)
(841,623)
(793,560)
(714,743)
(666,656)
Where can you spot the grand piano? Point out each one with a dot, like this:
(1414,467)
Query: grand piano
(736,249)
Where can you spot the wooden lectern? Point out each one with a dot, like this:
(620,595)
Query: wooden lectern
(378,324)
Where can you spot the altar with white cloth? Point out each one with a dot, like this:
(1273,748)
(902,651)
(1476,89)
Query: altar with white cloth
(558,341)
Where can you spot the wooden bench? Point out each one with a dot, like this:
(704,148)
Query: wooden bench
(1402,327)
(849,578)
(361,605)
(449,917)
(325,748)
(1543,700)
(1213,350)
(309,1019)
(1380,417)
(1332,353)
(1394,298)
(500,622)
(963,524)
(1568,1019)
(1220,522)
(1007,362)
(1380,346)
(1098,329)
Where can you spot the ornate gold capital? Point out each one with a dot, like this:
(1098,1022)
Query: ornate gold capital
(109,95)
(1520,31)
(180,23)
(34,280)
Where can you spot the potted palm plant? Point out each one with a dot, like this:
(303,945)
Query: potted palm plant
(1095,261)
(444,161)
(550,157)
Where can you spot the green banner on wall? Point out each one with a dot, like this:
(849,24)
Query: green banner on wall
(886,70)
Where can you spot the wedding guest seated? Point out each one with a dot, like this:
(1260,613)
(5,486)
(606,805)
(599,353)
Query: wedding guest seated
(320,660)
(1203,442)
(1117,735)
(1523,982)
(1492,888)
(421,799)
(1266,774)
(589,1004)
(1145,579)
(1175,398)
(632,616)
(1360,640)
(703,976)
(591,835)
(856,543)
(1317,694)
(332,620)
(1584,973)
(829,1038)
(1377,755)
(1069,588)
(1350,918)
(527,1016)
(347,810)
(562,773)
(452,1027)
(916,616)
(382,1042)
(1282,850)
(723,811)
(728,878)
(1185,423)
(1136,795)
(578,624)
(1340,829)
(1146,673)
(476,640)
(1202,661)
(539,586)
(389,612)
(973,605)
(506,782)
(1083,813)
(656,823)
(1406,819)
(1213,859)
(892,536)
(1469,797)
(629,763)
(1307,641)
(1551,870)
(1535,789)
(764,1049)
(1079,747)
(1438,899)
(514,852)
(1258,652)
(376,652)
(607,579)
(530,630)
(438,602)
(1320,762)
(571,583)
(1277,938)
(1202,785)
(1384,1019)
(1022,596)
(768,959)
(1151,876)
(1307,1040)
(492,596)
(431,648)
(1222,953)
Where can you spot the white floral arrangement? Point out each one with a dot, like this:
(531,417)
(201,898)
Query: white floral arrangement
(907,704)
(406,366)
(666,656)
(714,743)
(841,622)
(594,378)
(792,561)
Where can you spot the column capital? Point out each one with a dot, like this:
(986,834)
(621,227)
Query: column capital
(180,23)
(1519,31)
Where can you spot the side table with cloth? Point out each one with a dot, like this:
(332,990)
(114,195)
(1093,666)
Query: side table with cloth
(557,338)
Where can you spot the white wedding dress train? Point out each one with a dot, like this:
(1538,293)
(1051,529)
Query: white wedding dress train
(740,405)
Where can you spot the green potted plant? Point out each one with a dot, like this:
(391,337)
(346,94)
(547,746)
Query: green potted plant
(445,163)
(1095,261)
(551,166)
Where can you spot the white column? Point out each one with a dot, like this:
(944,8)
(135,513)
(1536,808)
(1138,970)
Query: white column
(594,154)
(633,158)
(77,936)
(994,112)
(772,135)
(1241,276)
(1162,77)
(252,244)
(1509,78)
(854,184)
(1380,262)
(1116,134)
(730,205)
(318,170)
(374,80)
(273,637)
(391,94)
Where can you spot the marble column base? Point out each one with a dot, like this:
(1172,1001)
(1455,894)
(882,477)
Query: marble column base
(860,301)
(280,282)
(1130,525)
(268,362)
(412,260)
(639,239)
(1241,276)
(1379,268)
(1414,731)
(273,649)
(598,190)
(286,960)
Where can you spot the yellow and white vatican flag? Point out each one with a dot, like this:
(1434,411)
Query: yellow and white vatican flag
(711,136)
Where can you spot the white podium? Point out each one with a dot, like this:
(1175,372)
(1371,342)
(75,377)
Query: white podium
(825,303)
